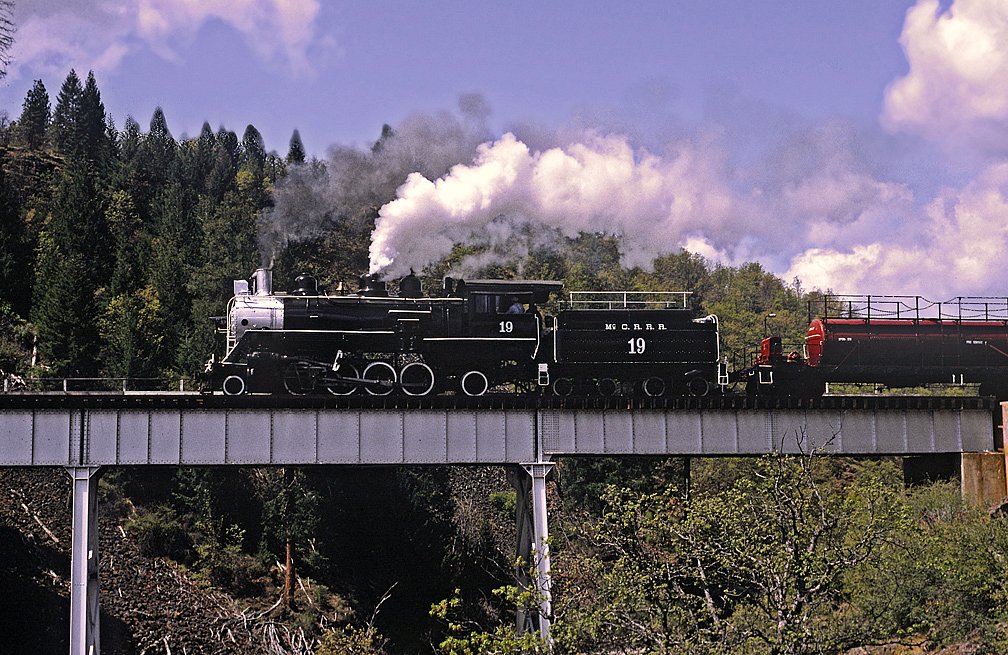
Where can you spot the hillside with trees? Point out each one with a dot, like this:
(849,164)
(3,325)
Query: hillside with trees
(118,243)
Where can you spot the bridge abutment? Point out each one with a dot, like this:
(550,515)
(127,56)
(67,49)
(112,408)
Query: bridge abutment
(984,478)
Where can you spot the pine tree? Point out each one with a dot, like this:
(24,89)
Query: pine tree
(196,159)
(173,257)
(65,134)
(125,230)
(251,171)
(65,307)
(129,141)
(34,121)
(224,167)
(94,144)
(296,152)
(253,151)
(160,150)
(13,261)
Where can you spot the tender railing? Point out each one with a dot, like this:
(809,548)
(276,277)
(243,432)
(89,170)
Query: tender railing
(626,300)
(960,308)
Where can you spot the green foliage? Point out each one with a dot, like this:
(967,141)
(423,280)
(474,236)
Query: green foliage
(160,532)
(69,261)
(351,640)
(131,243)
(943,579)
(295,151)
(504,502)
(758,567)
(133,328)
(465,638)
(14,249)
(584,480)
(289,509)
(16,337)
(34,121)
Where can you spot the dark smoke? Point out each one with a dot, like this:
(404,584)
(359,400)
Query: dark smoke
(353,182)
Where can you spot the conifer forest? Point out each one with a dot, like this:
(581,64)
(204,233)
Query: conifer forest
(119,242)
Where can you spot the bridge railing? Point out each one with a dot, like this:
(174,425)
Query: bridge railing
(31,384)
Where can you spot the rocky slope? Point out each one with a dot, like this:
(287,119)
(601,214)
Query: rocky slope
(148,605)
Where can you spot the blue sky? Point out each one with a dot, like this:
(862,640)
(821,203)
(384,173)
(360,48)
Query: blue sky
(857,145)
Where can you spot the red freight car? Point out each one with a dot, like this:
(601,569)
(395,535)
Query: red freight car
(897,341)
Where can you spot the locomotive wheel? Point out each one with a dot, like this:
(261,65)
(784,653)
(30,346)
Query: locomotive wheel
(416,379)
(342,387)
(474,383)
(607,387)
(380,378)
(653,387)
(697,386)
(294,377)
(233,385)
(563,386)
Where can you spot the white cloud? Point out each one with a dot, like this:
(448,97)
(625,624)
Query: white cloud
(965,237)
(956,90)
(99,37)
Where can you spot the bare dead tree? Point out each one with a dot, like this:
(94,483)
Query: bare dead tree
(7,30)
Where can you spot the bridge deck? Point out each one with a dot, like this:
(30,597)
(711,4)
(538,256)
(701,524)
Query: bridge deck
(189,429)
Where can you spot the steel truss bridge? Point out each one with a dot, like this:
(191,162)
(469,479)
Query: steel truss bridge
(83,432)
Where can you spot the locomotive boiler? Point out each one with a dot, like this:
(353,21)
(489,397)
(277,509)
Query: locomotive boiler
(467,337)
(896,341)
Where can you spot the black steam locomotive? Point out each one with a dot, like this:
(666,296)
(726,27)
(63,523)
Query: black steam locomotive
(468,337)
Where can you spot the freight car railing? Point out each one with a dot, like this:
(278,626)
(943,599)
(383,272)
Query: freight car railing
(626,300)
(960,308)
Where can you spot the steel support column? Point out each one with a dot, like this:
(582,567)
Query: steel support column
(84,624)
(522,483)
(540,545)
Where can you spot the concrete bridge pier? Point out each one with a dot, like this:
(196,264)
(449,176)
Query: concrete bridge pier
(84,610)
(983,474)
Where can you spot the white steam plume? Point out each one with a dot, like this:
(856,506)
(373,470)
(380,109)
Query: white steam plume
(597,185)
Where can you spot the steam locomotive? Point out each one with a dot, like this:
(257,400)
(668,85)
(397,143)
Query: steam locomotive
(482,336)
(896,341)
(469,337)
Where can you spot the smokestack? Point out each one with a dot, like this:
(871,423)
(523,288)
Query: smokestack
(263,281)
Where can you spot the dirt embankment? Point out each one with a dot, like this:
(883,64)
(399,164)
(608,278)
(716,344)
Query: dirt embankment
(148,605)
